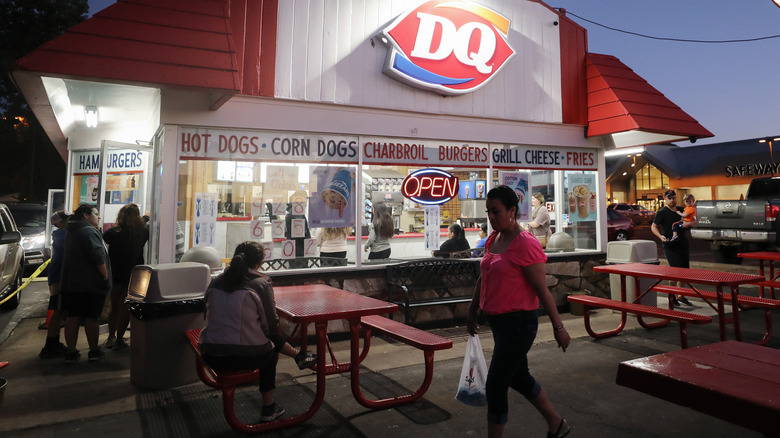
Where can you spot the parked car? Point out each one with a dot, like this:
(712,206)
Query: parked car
(11,259)
(31,220)
(619,226)
(638,213)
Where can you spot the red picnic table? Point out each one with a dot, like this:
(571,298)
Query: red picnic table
(734,381)
(718,280)
(770,281)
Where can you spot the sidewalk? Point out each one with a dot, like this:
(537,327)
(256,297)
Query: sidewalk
(50,398)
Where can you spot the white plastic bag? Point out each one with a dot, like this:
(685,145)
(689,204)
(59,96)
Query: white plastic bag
(473,375)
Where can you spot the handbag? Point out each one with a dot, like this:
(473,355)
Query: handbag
(473,375)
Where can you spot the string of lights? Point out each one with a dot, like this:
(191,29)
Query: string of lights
(683,40)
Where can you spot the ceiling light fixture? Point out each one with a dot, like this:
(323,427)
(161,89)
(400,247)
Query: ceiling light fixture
(91,116)
(624,151)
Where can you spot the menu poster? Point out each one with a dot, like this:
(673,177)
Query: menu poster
(432,227)
(205,218)
(520,183)
(581,197)
(332,204)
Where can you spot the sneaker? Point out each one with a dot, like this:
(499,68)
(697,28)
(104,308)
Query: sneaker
(72,356)
(305,360)
(51,351)
(121,344)
(270,413)
(95,355)
(675,302)
(110,342)
(685,301)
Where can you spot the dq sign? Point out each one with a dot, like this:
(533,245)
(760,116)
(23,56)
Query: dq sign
(430,186)
(450,47)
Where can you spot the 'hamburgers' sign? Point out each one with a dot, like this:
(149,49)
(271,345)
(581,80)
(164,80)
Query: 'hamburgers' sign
(450,47)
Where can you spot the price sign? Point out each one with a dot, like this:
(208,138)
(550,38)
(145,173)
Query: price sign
(277,229)
(268,250)
(288,249)
(257,227)
(299,208)
(310,248)
(298,228)
(258,207)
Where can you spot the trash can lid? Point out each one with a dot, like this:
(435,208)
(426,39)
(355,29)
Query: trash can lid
(632,251)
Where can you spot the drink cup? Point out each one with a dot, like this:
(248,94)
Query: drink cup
(592,202)
(582,193)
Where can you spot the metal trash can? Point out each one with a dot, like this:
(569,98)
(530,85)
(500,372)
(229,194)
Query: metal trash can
(165,300)
(632,251)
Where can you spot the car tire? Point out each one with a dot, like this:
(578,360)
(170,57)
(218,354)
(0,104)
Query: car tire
(13,303)
(621,235)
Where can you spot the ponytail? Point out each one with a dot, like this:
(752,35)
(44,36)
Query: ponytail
(247,255)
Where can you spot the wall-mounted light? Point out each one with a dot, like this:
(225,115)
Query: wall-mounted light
(91,116)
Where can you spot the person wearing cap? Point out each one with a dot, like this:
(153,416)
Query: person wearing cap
(677,251)
(53,347)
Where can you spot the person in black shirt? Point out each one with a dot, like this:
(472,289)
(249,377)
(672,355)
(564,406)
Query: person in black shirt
(677,252)
(456,242)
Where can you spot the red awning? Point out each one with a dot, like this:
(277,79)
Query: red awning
(625,106)
(179,43)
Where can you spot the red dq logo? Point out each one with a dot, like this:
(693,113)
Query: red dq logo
(450,47)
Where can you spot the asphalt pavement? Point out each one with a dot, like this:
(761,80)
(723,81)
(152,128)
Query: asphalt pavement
(47,398)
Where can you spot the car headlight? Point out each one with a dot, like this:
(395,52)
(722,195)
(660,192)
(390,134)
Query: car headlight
(36,241)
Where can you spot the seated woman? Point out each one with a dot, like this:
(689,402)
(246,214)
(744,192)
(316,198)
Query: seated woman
(241,320)
(456,242)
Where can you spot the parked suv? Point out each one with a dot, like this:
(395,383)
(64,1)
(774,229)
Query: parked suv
(31,220)
(11,259)
(636,212)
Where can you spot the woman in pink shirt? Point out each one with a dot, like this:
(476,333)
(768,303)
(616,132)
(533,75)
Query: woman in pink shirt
(508,293)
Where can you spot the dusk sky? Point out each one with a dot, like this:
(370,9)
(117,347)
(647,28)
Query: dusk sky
(730,88)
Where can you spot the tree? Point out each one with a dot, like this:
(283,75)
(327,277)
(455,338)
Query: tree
(24,146)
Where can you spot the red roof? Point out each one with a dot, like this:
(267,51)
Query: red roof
(176,42)
(619,100)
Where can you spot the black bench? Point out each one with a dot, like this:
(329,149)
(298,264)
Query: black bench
(639,310)
(431,283)
(744,301)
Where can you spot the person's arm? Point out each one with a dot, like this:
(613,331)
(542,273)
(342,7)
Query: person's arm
(370,241)
(535,275)
(103,271)
(657,231)
(471,322)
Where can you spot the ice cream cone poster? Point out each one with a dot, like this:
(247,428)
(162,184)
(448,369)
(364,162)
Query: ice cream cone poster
(581,197)
(519,182)
(332,203)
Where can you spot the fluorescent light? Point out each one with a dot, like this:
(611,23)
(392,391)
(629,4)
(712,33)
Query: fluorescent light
(91,116)
(624,151)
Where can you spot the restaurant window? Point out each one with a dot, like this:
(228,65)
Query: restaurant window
(225,199)
(581,217)
(649,177)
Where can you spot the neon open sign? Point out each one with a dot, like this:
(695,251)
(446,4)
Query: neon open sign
(430,186)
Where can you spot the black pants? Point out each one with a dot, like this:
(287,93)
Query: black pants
(379,255)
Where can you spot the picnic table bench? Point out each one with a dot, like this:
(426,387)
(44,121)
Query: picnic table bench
(431,283)
(744,301)
(640,310)
(226,381)
(428,342)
